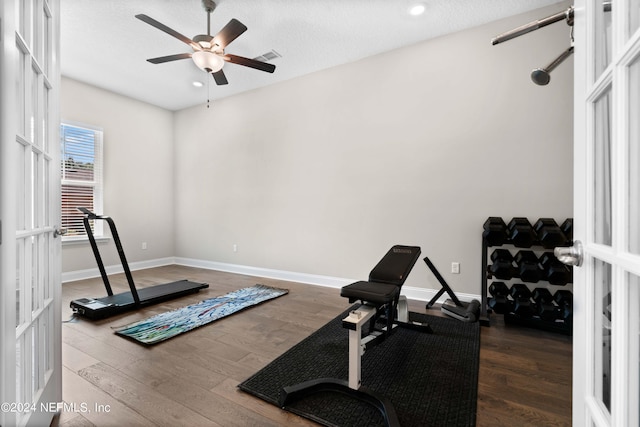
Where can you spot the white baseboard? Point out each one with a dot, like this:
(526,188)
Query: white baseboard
(71,276)
(411,292)
(290,276)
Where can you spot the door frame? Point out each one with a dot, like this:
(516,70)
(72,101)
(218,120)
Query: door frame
(8,59)
(589,323)
(44,382)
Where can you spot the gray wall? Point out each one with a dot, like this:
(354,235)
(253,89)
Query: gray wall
(323,173)
(138,173)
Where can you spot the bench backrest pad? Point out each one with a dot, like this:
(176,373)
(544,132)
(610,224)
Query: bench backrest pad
(396,265)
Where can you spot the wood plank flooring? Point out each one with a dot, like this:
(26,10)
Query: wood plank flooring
(524,379)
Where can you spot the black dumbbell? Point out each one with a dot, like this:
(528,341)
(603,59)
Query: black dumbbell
(522,300)
(527,266)
(567,228)
(502,266)
(521,233)
(555,272)
(564,299)
(495,231)
(549,233)
(500,302)
(545,308)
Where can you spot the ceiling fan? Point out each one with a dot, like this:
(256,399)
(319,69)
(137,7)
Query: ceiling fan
(209,51)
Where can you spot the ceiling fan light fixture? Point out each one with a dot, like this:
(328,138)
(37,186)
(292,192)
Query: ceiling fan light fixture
(208,61)
(417,9)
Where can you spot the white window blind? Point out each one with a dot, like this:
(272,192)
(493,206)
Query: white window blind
(81,167)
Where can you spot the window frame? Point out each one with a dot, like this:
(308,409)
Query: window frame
(97,183)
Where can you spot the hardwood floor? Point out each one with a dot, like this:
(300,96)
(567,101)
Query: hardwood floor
(524,378)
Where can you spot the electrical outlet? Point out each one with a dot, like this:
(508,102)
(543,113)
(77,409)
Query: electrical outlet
(235,248)
(144,246)
(455,267)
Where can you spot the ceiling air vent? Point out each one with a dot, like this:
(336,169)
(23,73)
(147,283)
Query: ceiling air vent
(266,57)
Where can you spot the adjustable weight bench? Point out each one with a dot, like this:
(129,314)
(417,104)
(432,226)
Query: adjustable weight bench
(382,310)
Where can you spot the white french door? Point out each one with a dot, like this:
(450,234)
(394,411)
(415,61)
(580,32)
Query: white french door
(606,371)
(30,251)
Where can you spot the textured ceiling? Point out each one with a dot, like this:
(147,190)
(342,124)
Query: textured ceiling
(103,44)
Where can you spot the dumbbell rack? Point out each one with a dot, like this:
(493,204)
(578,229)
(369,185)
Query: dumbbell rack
(560,326)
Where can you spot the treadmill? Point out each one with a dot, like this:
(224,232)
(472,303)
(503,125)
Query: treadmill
(113,304)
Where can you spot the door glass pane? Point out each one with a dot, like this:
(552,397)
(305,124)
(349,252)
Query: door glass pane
(21,95)
(634,348)
(26,365)
(634,158)
(46,190)
(45,119)
(602,169)
(33,111)
(634,16)
(46,46)
(36,40)
(46,266)
(35,272)
(35,179)
(603,40)
(25,280)
(19,371)
(24,20)
(35,374)
(21,186)
(602,283)
(19,281)
(48,345)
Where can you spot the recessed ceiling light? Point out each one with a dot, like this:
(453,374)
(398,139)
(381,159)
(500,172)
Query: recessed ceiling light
(197,84)
(417,9)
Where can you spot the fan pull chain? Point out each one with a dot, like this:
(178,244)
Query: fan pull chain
(208,91)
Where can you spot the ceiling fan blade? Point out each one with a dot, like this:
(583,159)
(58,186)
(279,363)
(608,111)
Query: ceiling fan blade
(171,32)
(220,78)
(229,33)
(258,65)
(169,58)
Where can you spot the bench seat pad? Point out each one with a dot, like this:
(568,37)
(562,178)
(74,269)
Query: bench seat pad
(374,292)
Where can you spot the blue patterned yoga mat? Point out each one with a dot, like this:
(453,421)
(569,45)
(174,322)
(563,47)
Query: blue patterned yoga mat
(167,325)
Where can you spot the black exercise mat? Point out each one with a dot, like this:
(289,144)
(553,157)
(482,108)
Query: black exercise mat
(431,379)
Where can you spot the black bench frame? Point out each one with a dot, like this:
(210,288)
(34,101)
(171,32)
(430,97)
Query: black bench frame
(382,310)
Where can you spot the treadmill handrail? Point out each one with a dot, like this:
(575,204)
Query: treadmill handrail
(90,214)
(96,252)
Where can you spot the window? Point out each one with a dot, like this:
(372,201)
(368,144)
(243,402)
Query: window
(81,167)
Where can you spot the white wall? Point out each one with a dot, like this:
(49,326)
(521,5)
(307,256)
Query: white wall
(323,173)
(138,173)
